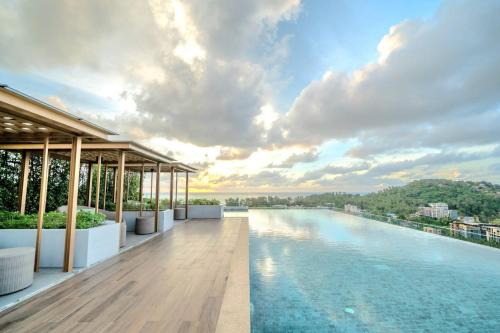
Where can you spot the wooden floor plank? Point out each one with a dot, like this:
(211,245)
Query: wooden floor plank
(173,283)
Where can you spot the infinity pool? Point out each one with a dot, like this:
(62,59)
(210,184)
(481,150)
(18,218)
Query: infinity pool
(322,271)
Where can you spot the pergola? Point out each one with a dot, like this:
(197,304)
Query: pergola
(31,126)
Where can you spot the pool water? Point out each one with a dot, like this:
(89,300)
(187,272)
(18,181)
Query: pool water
(323,271)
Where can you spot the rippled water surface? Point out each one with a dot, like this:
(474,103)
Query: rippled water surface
(322,271)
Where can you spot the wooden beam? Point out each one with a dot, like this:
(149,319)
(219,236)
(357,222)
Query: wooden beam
(30,109)
(119,188)
(43,201)
(74,177)
(141,190)
(157,204)
(105,185)
(23,181)
(98,182)
(172,188)
(187,193)
(89,185)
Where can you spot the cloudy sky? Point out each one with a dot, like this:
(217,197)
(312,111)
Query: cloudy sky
(275,95)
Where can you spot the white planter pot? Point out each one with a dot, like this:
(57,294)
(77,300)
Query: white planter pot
(166,218)
(205,211)
(91,245)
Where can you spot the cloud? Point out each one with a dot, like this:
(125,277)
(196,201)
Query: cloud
(331,170)
(304,157)
(185,64)
(267,179)
(228,153)
(365,176)
(429,75)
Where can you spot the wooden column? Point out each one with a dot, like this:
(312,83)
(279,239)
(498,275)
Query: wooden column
(172,188)
(115,175)
(157,203)
(89,185)
(105,186)
(151,191)
(98,182)
(141,190)
(176,187)
(74,176)
(119,188)
(186,194)
(128,185)
(43,200)
(23,181)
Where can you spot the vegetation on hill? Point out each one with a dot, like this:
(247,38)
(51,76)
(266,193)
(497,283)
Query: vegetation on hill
(481,199)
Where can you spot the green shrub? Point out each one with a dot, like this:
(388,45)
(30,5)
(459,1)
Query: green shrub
(51,220)
(209,202)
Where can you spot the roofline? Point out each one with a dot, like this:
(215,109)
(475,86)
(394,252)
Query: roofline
(52,108)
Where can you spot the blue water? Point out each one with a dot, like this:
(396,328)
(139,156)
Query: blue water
(322,271)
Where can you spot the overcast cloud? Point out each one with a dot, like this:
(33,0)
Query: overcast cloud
(208,81)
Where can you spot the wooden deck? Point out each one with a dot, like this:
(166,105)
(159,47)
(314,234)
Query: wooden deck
(173,283)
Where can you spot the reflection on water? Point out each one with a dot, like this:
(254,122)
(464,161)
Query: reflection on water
(322,271)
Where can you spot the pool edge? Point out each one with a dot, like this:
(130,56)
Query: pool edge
(234,314)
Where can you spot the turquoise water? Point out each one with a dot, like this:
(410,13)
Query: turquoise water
(322,271)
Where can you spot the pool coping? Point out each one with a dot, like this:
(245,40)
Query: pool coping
(234,315)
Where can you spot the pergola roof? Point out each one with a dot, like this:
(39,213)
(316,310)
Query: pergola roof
(25,122)
(25,119)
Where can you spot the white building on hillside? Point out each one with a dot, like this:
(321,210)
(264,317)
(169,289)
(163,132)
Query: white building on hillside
(352,209)
(438,210)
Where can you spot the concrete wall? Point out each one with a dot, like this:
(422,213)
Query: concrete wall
(91,245)
(166,218)
(205,211)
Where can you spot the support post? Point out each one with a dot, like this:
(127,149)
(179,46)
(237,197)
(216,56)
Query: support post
(115,175)
(151,191)
(105,186)
(141,190)
(89,185)
(176,187)
(186,194)
(157,203)
(74,176)
(43,200)
(172,188)
(128,185)
(23,181)
(119,188)
(98,182)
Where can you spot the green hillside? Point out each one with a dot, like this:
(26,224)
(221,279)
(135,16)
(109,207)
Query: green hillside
(480,199)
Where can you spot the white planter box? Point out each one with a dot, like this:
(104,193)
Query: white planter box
(166,218)
(91,245)
(205,211)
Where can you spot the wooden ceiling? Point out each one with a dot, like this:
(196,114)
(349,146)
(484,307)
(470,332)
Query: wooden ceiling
(15,129)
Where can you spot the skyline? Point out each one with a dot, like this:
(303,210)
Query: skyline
(280,96)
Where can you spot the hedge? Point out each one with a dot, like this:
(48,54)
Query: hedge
(52,220)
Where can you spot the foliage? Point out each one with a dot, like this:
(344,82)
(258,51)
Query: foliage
(10,169)
(209,202)
(480,199)
(52,220)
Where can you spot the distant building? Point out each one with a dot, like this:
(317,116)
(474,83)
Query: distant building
(467,230)
(492,232)
(279,206)
(391,215)
(438,210)
(468,219)
(352,209)
(433,230)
